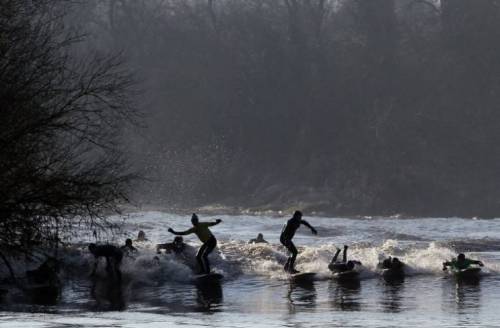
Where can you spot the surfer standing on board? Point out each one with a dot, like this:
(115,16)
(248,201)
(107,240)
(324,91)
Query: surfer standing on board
(287,235)
(201,230)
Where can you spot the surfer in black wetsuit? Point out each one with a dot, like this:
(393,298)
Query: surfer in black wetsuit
(113,257)
(128,249)
(177,246)
(344,265)
(259,240)
(287,235)
(391,263)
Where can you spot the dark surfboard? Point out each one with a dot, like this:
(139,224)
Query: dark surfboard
(346,275)
(303,277)
(469,273)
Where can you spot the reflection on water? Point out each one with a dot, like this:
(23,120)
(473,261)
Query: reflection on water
(108,293)
(462,298)
(209,297)
(345,295)
(301,294)
(392,298)
(468,296)
(418,301)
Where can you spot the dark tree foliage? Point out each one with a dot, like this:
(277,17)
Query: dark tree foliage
(349,106)
(60,122)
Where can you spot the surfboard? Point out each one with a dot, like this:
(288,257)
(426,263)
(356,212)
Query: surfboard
(303,277)
(346,275)
(472,272)
(208,278)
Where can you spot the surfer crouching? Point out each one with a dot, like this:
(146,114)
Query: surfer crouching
(200,229)
(286,239)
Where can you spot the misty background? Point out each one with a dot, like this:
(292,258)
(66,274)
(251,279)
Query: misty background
(348,107)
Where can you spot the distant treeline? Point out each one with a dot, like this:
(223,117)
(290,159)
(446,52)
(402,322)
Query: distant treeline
(354,106)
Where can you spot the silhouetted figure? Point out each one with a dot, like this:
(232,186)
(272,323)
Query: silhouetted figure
(393,270)
(113,257)
(461,262)
(392,263)
(46,273)
(258,240)
(141,236)
(44,285)
(206,237)
(286,239)
(344,265)
(177,246)
(128,249)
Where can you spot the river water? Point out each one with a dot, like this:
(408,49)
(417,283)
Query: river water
(256,293)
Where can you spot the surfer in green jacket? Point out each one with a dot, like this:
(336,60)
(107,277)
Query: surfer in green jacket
(200,229)
(460,263)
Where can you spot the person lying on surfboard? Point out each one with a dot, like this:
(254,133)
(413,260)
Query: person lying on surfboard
(259,240)
(391,263)
(286,239)
(176,247)
(460,263)
(345,265)
(200,229)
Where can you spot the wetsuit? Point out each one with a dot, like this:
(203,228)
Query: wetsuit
(128,250)
(257,241)
(286,239)
(460,265)
(391,263)
(177,248)
(209,242)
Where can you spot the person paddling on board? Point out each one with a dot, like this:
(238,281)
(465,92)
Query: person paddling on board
(460,263)
(259,240)
(200,229)
(176,247)
(391,263)
(128,249)
(287,235)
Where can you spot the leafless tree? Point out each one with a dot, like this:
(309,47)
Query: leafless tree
(61,118)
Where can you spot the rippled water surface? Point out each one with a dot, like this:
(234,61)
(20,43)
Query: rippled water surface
(256,293)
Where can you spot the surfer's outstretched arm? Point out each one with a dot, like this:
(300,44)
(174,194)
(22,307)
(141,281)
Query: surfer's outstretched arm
(210,224)
(477,262)
(304,222)
(181,233)
(446,264)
